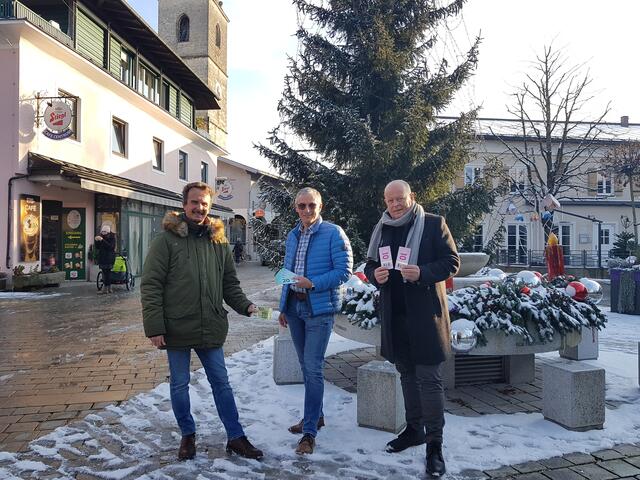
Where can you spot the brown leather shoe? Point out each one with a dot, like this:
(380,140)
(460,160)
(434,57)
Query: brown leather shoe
(242,446)
(297,428)
(305,445)
(187,447)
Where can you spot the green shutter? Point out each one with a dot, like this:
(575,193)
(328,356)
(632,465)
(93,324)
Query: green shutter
(186,111)
(114,57)
(90,39)
(173,101)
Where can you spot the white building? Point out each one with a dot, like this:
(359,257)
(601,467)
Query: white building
(131,145)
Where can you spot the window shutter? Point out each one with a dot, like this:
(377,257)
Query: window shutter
(618,185)
(114,57)
(186,111)
(173,101)
(90,39)
(592,184)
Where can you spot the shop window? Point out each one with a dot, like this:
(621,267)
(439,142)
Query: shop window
(183,159)
(118,137)
(204,172)
(158,155)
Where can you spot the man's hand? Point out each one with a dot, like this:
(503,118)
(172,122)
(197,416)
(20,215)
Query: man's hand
(157,341)
(252,309)
(98,238)
(303,282)
(410,272)
(282,320)
(381,275)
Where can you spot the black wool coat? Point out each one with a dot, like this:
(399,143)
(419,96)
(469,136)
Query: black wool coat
(425,301)
(106,250)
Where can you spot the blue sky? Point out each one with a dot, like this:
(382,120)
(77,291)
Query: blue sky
(601,35)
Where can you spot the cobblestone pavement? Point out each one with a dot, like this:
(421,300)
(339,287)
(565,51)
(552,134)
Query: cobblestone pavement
(69,352)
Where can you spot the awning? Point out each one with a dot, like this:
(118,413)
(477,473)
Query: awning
(50,171)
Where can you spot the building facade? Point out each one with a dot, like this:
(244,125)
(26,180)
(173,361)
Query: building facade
(98,127)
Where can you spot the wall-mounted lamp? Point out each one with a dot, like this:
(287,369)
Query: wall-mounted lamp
(625,221)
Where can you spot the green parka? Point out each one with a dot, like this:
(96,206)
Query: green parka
(184,280)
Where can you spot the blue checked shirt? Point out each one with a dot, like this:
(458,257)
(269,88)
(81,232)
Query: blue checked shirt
(301,253)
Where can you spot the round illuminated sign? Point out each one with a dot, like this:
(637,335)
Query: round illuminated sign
(57,116)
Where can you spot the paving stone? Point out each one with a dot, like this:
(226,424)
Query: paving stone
(529,467)
(593,472)
(620,468)
(472,475)
(579,458)
(555,462)
(501,472)
(531,476)
(607,454)
(627,449)
(563,474)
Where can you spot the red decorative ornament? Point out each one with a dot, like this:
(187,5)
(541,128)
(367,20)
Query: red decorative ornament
(577,291)
(539,275)
(361,276)
(555,257)
(526,290)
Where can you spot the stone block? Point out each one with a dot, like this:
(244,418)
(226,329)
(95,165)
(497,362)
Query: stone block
(573,394)
(587,349)
(520,368)
(380,401)
(286,367)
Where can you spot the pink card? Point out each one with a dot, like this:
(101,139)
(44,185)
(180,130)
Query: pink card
(385,257)
(403,257)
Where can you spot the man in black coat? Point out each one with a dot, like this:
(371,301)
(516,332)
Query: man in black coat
(414,313)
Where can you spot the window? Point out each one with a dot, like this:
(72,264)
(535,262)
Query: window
(218,36)
(73,103)
(118,137)
(518,180)
(478,239)
(605,184)
(183,159)
(565,238)
(183,29)
(517,249)
(204,172)
(158,155)
(471,174)
(148,83)
(127,68)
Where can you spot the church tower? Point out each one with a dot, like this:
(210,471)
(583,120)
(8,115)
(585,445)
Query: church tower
(197,31)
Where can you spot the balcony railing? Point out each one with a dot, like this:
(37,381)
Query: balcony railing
(15,10)
(535,258)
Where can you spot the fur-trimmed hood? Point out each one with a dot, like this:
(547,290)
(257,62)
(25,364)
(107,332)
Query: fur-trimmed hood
(175,223)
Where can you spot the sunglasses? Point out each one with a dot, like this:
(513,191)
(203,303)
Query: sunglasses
(303,206)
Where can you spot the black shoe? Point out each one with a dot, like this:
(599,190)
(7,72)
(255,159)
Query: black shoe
(242,446)
(435,460)
(187,448)
(410,437)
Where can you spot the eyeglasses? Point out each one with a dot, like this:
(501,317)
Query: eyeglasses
(303,206)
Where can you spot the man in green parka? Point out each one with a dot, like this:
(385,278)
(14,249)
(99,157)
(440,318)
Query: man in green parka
(188,272)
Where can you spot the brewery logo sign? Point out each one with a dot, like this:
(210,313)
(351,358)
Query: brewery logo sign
(57,119)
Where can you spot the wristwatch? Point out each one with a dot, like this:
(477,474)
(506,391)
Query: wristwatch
(313,287)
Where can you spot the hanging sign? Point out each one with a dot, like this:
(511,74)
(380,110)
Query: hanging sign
(29,228)
(57,119)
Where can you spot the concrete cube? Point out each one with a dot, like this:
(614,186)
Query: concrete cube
(520,368)
(380,401)
(286,367)
(587,349)
(573,394)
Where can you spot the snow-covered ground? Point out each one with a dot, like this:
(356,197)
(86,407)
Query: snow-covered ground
(139,438)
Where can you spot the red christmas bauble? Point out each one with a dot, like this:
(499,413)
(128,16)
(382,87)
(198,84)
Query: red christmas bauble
(526,290)
(577,291)
(361,276)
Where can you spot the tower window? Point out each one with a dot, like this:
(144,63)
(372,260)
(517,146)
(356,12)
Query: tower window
(183,29)
(218,36)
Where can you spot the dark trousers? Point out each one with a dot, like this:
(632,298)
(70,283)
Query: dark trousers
(106,276)
(423,394)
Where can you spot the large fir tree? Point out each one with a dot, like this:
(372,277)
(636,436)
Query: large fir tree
(360,100)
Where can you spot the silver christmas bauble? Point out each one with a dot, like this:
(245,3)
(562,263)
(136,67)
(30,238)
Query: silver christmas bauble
(528,278)
(497,273)
(463,340)
(594,289)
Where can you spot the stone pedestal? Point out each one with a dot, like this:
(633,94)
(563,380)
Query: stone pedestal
(286,367)
(587,349)
(520,368)
(380,401)
(573,395)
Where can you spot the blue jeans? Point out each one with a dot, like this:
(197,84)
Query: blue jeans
(213,362)
(310,337)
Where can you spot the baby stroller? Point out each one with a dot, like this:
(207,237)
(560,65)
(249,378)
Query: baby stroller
(120,274)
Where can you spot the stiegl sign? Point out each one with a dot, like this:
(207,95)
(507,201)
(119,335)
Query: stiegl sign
(57,119)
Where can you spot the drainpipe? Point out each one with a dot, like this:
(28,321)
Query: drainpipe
(10,215)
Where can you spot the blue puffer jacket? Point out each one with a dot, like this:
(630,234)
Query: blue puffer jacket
(329,263)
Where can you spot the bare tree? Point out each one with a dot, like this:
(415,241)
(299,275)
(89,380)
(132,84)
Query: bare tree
(554,146)
(623,161)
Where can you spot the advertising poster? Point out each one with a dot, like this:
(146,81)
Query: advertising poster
(74,261)
(29,228)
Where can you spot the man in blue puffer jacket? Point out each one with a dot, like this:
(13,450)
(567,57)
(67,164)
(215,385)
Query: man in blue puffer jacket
(320,255)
